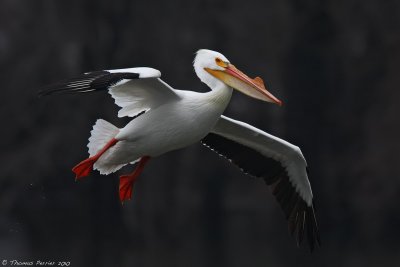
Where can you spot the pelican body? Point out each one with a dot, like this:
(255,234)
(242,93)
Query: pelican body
(186,120)
(166,119)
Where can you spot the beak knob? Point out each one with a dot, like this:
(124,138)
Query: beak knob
(259,82)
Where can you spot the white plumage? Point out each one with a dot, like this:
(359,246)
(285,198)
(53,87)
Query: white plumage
(166,119)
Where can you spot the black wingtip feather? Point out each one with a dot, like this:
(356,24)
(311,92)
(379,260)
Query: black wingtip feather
(300,233)
(310,230)
(88,82)
(293,223)
(300,216)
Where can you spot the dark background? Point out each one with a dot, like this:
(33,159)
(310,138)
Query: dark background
(334,64)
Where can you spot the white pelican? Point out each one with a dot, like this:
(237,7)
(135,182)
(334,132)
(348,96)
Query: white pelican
(166,119)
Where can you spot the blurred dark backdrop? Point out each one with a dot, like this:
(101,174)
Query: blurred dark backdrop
(333,63)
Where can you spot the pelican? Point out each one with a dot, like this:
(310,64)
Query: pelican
(166,119)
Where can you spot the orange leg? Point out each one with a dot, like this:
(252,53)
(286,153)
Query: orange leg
(84,168)
(126,181)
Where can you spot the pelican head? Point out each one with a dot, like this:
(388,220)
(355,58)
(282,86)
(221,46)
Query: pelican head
(214,69)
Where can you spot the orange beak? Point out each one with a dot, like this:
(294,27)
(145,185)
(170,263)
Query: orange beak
(240,81)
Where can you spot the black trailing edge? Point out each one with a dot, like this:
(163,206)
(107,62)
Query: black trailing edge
(300,216)
(88,82)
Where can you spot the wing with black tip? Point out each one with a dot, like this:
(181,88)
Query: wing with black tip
(134,89)
(279,163)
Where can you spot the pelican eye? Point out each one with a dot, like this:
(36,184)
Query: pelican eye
(220,62)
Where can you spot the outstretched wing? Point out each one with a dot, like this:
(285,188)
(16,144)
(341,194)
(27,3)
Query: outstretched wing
(278,162)
(134,90)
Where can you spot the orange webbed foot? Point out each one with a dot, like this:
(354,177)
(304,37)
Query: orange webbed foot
(125,187)
(83,168)
(126,181)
